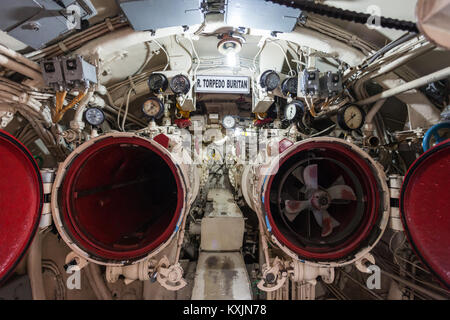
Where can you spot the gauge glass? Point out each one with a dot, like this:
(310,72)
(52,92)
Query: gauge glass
(229,122)
(152,107)
(272,81)
(269,80)
(353,117)
(180,84)
(290,112)
(94,116)
(157,82)
(290,86)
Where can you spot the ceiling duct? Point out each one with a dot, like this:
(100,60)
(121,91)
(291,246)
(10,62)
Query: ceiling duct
(37,22)
(259,14)
(157,14)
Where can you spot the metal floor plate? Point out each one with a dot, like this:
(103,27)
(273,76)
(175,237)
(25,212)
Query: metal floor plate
(221,276)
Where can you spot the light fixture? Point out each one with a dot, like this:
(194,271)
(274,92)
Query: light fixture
(230,45)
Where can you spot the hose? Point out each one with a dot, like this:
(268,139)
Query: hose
(60,113)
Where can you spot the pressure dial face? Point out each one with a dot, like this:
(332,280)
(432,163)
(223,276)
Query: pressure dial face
(228,122)
(180,84)
(289,86)
(94,116)
(157,82)
(293,111)
(153,107)
(351,117)
(269,80)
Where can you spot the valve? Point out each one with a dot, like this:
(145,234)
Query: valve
(273,277)
(170,276)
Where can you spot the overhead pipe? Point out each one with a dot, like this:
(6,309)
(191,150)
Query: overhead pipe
(19,58)
(20,68)
(433,77)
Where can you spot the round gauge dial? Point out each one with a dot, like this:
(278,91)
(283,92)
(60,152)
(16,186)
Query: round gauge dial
(229,122)
(351,117)
(289,86)
(293,111)
(269,80)
(94,116)
(157,82)
(153,107)
(180,84)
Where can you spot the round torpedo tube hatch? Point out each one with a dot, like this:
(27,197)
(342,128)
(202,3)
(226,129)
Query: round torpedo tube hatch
(326,201)
(119,198)
(425,209)
(21,199)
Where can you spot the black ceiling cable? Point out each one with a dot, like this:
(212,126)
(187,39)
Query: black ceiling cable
(358,17)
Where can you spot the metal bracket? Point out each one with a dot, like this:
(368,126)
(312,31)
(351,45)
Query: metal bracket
(361,264)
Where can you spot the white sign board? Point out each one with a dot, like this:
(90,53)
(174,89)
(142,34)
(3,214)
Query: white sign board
(222,84)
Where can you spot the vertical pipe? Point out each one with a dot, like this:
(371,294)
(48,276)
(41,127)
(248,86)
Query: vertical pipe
(34,268)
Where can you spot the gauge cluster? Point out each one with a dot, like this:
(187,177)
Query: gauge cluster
(286,99)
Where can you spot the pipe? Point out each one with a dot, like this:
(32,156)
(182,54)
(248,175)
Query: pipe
(18,96)
(413,286)
(78,118)
(404,59)
(374,110)
(34,268)
(15,66)
(377,296)
(391,66)
(436,76)
(389,46)
(19,58)
(97,283)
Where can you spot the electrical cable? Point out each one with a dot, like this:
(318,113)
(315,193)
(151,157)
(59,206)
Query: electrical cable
(347,15)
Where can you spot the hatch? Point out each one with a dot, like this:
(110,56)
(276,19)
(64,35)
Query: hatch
(425,209)
(21,199)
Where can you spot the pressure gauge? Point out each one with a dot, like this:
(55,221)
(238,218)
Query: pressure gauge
(229,122)
(294,111)
(269,80)
(94,116)
(153,107)
(289,86)
(157,82)
(351,117)
(180,84)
